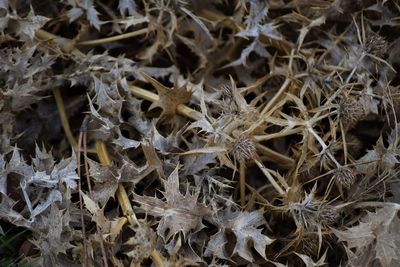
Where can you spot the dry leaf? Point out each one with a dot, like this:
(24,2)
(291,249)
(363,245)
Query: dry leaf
(179,213)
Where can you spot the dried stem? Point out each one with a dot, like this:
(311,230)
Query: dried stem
(85,251)
(242,182)
(266,137)
(114,38)
(275,156)
(124,200)
(270,178)
(122,196)
(150,96)
(276,96)
(63,117)
(323,145)
(99,232)
(344,142)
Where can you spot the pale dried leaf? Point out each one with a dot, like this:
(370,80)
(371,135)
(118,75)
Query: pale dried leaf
(179,213)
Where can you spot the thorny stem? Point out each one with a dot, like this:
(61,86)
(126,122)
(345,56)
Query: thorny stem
(250,204)
(323,145)
(354,69)
(278,157)
(276,96)
(242,182)
(257,84)
(345,152)
(152,97)
(280,178)
(266,137)
(257,194)
(292,131)
(63,43)
(114,38)
(281,90)
(270,178)
(319,139)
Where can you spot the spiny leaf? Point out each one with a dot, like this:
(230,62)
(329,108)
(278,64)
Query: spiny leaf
(179,213)
(169,98)
(377,230)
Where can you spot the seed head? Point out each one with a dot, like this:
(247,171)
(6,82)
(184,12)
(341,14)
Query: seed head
(304,212)
(350,111)
(327,215)
(243,148)
(376,44)
(344,176)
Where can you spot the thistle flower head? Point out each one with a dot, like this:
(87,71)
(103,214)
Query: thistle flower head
(242,148)
(327,215)
(350,111)
(344,176)
(304,211)
(376,44)
(312,211)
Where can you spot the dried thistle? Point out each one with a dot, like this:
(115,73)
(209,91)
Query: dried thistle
(326,154)
(375,44)
(350,111)
(344,176)
(327,215)
(243,148)
(280,67)
(227,93)
(305,211)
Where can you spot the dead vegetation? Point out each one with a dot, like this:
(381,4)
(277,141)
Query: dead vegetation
(199,133)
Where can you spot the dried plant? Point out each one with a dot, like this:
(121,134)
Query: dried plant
(199,133)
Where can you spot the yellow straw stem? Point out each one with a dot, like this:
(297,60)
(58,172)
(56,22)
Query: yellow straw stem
(152,97)
(63,118)
(114,38)
(275,156)
(123,198)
